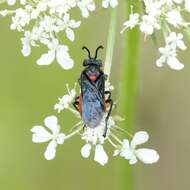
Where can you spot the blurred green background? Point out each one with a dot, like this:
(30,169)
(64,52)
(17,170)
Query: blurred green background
(28,93)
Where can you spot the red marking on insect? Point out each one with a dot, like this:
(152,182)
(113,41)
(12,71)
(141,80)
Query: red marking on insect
(80,104)
(92,77)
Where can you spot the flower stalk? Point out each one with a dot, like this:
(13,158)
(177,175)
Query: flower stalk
(128,88)
(110,43)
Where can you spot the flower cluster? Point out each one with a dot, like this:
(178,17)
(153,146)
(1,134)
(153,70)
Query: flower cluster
(164,15)
(41,21)
(94,139)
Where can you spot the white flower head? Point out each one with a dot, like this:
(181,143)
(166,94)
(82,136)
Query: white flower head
(130,152)
(41,135)
(66,100)
(111,3)
(95,135)
(60,52)
(94,138)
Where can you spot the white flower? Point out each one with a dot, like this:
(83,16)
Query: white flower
(132,22)
(86,6)
(40,135)
(66,100)
(168,56)
(68,25)
(27,41)
(60,52)
(107,3)
(174,17)
(108,86)
(148,24)
(95,135)
(153,8)
(20,20)
(4,12)
(187,5)
(11,2)
(85,150)
(100,155)
(176,40)
(131,153)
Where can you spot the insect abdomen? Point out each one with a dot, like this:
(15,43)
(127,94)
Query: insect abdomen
(92,110)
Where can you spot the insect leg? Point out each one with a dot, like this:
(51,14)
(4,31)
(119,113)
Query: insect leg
(110,101)
(76,103)
(109,94)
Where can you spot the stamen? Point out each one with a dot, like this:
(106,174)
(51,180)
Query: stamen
(112,143)
(116,138)
(73,133)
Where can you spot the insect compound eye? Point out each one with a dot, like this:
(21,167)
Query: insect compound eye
(85,62)
(99,62)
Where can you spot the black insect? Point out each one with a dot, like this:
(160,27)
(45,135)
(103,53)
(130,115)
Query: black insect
(94,102)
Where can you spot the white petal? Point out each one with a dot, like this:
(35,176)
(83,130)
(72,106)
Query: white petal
(26,50)
(85,13)
(70,34)
(187,5)
(139,138)
(40,134)
(181,45)
(133,160)
(113,3)
(160,61)
(147,156)
(66,17)
(105,4)
(63,58)
(46,58)
(85,150)
(74,24)
(60,138)
(127,154)
(125,143)
(11,2)
(100,155)
(52,123)
(50,151)
(174,63)
(91,6)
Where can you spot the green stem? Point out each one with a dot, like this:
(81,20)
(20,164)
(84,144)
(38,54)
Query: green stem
(129,86)
(110,43)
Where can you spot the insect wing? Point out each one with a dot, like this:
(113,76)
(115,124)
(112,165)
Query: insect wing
(92,102)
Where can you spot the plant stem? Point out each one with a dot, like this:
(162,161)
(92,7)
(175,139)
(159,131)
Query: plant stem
(129,85)
(110,43)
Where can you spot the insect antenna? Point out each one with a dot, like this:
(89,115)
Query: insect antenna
(100,47)
(84,47)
